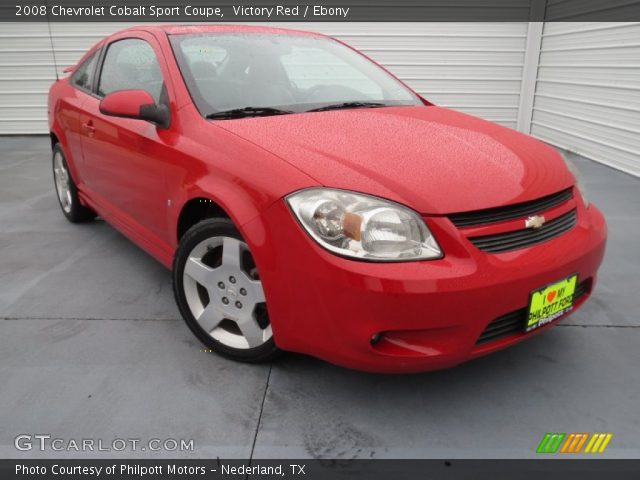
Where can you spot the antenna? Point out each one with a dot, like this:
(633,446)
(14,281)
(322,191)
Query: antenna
(53,50)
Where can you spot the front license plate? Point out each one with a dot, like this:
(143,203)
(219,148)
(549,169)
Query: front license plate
(550,302)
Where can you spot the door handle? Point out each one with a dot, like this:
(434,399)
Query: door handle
(88,126)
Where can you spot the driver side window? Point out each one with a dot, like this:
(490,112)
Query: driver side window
(131,64)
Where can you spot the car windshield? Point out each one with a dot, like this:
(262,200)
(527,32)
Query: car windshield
(250,74)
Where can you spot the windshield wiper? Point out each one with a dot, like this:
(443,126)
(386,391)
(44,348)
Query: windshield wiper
(247,112)
(338,106)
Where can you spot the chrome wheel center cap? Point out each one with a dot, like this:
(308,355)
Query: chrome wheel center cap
(231,292)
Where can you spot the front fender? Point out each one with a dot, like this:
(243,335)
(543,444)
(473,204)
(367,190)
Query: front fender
(242,179)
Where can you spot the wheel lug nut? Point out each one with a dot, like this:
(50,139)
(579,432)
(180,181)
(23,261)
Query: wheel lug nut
(225,300)
(238,304)
(232,279)
(243,291)
(220,284)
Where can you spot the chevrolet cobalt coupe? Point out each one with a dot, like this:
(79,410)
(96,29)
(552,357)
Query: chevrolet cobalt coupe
(309,201)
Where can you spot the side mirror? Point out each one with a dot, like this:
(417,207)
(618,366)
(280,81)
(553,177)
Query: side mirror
(138,104)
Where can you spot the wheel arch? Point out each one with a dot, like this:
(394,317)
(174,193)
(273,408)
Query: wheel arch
(57,134)
(212,196)
(57,137)
(54,139)
(195,210)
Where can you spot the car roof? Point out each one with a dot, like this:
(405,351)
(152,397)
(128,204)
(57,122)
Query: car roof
(178,29)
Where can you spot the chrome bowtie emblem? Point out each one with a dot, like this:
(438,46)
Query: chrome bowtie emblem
(534,222)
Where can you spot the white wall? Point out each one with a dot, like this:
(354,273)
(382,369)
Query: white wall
(475,67)
(575,85)
(26,71)
(587,96)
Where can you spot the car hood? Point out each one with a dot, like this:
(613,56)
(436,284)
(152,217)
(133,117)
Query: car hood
(433,159)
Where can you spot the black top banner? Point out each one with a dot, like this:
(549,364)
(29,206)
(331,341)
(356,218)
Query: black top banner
(320,11)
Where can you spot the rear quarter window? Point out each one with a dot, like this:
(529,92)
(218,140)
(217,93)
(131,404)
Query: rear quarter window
(83,76)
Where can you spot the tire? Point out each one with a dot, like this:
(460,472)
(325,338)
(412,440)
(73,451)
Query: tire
(219,292)
(66,190)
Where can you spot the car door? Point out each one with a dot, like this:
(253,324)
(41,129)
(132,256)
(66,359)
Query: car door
(124,159)
(69,110)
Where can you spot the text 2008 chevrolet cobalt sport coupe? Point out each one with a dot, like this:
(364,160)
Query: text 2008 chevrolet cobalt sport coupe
(309,201)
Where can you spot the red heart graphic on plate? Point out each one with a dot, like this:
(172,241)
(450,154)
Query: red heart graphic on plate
(551,296)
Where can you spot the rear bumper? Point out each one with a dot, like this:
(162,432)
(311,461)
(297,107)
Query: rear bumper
(429,314)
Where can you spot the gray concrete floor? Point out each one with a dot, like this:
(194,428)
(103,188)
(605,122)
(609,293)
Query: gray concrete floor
(91,346)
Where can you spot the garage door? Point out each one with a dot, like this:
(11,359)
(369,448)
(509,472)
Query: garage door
(26,71)
(475,67)
(587,95)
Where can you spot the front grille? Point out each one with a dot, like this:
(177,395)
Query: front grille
(502,242)
(514,322)
(501,214)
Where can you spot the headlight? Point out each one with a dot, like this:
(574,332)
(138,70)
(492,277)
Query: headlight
(361,226)
(579,183)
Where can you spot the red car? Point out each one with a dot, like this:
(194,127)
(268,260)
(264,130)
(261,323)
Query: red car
(307,200)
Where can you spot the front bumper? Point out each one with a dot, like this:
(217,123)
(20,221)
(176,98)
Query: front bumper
(428,314)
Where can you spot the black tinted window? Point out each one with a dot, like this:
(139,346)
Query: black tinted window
(131,64)
(83,76)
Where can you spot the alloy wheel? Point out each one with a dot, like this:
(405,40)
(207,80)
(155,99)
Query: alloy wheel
(63,187)
(224,293)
